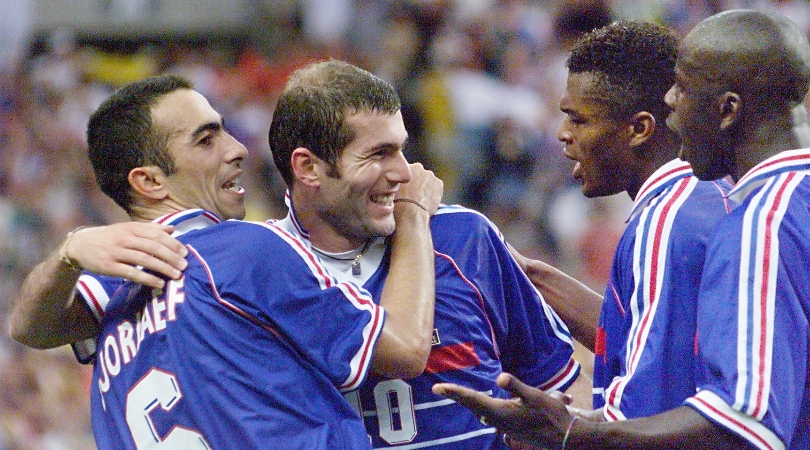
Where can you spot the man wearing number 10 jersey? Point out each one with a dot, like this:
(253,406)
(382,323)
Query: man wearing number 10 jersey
(488,316)
(489,319)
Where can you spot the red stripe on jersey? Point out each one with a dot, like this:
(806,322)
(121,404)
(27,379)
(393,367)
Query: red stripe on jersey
(478,295)
(376,320)
(652,286)
(600,346)
(617,299)
(313,260)
(239,311)
(452,357)
(565,373)
(167,217)
(96,305)
(749,432)
(763,294)
(683,168)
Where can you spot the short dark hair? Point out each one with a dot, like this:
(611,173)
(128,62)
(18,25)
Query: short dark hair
(761,55)
(121,136)
(312,111)
(633,63)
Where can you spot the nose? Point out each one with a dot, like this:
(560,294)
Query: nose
(669,97)
(399,171)
(236,150)
(563,134)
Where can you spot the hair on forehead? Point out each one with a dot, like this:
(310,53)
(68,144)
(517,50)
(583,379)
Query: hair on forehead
(633,64)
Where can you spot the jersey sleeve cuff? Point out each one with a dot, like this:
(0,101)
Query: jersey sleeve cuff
(562,379)
(714,408)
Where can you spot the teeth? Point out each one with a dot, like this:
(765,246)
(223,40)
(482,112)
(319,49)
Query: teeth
(386,199)
(233,185)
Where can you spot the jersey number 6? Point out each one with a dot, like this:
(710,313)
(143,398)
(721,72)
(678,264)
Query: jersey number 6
(158,388)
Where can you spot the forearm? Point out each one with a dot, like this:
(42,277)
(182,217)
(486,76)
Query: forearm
(408,298)
(682,427)
(45,314)
(576,304)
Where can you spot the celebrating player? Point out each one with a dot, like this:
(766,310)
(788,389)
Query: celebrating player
(614,130)
(489,317)
(737,104)
(256,340)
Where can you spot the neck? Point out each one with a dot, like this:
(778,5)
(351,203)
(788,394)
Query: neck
(141,213)
(322,235)
(771,136)
(658,152)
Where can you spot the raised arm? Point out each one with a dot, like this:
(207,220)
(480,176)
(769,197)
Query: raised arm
(410,289)
(47,314)
(577,305)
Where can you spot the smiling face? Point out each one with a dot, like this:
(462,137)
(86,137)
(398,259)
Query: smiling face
(597,142)
(357,204)
(206,158)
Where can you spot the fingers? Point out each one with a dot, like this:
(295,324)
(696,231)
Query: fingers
(567,399)
(137,275)
(116,250)
(424,187)
(156,255)
(478,402)
(512,384)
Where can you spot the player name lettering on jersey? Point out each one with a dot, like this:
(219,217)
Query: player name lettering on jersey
(120,347)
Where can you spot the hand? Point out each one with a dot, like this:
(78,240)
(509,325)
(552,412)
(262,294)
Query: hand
(115,250)
(424,188)
(530,416)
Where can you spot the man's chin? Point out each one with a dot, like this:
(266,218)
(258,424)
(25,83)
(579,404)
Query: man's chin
(384,228)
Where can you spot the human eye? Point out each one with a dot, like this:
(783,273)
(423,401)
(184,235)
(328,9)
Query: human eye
(383,152)
(576,119)
(206,140)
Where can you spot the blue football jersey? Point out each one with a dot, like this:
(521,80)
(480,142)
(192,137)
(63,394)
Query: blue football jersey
(489,319)
(645,349)
(754,309)
(252,349)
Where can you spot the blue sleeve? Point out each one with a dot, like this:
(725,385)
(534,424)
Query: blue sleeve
(753,330)
(95,292)
(533,342)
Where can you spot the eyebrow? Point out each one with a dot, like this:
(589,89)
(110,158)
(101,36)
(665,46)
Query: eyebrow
(390,146)
(210,126)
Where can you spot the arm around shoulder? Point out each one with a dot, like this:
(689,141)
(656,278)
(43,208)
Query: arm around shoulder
(48,314)
(578,305)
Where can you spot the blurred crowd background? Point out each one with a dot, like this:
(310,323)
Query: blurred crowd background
(480,82)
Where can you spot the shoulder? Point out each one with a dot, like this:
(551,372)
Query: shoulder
(456,217)
(461,222)
(706,204)
(240,239)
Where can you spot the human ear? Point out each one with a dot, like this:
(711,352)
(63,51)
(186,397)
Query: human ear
(306,167)
(641,126)
(730,106)
(149,181)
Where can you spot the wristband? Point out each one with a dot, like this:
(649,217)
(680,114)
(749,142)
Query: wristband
(568,432)
(410,201)
(71,263)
